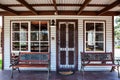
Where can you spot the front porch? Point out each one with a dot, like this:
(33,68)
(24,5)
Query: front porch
(40,75)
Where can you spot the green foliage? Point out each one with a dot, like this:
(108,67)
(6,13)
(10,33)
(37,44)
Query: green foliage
(117,20)
(0,64)
(117,47)
(117,28)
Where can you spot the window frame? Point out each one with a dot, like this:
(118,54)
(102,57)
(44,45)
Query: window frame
(29,36)
(17,51)
(104,35)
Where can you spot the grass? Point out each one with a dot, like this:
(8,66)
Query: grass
(0,64)
(117,47)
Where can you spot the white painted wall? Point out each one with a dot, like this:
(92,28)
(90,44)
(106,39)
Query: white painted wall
(7,20)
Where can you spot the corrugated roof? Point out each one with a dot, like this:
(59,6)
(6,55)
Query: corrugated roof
(93,8)
(39,1)
(117,8)
(44,8)
(2,10)
(70,1)
(32,7)
(68,8)
(9,2)
(19,8)
(102,1)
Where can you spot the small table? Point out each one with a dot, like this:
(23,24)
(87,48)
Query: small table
(117,62)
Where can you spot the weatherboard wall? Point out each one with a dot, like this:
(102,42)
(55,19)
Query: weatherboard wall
(80,19)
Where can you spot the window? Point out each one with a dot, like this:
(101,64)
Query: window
(39,36)
(94,36)
(30,36)
(19,36)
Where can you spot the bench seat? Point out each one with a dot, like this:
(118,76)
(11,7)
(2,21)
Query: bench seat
(31,60)
(97,59)
(31,65)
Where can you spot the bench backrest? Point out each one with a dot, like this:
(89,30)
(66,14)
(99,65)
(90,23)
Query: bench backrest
(107,56)
(34,58)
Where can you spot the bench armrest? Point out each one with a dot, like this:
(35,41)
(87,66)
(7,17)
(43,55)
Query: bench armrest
(14,61)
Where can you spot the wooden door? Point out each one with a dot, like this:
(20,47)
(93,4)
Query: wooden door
(67,45)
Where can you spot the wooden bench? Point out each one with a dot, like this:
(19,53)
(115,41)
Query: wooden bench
(97,59)
(31,60)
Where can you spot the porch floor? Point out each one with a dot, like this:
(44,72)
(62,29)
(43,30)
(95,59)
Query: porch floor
(40,75)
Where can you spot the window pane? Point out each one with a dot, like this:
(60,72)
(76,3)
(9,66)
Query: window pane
(99,47)
(23,36)
(86,36)
(71,58)
(44,36)
(34,46)
(43,26)
(15,36)
(89,26)
(34,36)
(20,36)
(24,26)
(71,35)
(89,47)
(91,37)
(99,26)
(99,37)
(16,27)
(44,47)
(63,35)
(94,36)
(35,26)
(15,46)
(24,46)
(63,57)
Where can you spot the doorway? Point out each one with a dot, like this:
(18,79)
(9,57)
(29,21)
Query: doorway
(67,45)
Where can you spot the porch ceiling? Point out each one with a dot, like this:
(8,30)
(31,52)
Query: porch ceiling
(60,7)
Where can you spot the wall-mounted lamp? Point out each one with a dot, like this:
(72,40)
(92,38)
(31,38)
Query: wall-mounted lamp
(52,22)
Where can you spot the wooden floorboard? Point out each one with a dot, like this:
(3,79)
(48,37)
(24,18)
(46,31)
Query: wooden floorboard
(38,75)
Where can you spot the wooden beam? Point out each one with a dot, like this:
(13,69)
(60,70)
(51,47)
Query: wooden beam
(118,13)
(83,6)
(61,12)
(55,6)
(24,3)
(8,9)
(114,4)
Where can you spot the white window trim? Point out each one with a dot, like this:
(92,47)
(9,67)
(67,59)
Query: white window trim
(20,41)
(29,31)
(104,27)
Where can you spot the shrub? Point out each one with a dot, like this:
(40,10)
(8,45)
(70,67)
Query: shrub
(117,47)
(0,64)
